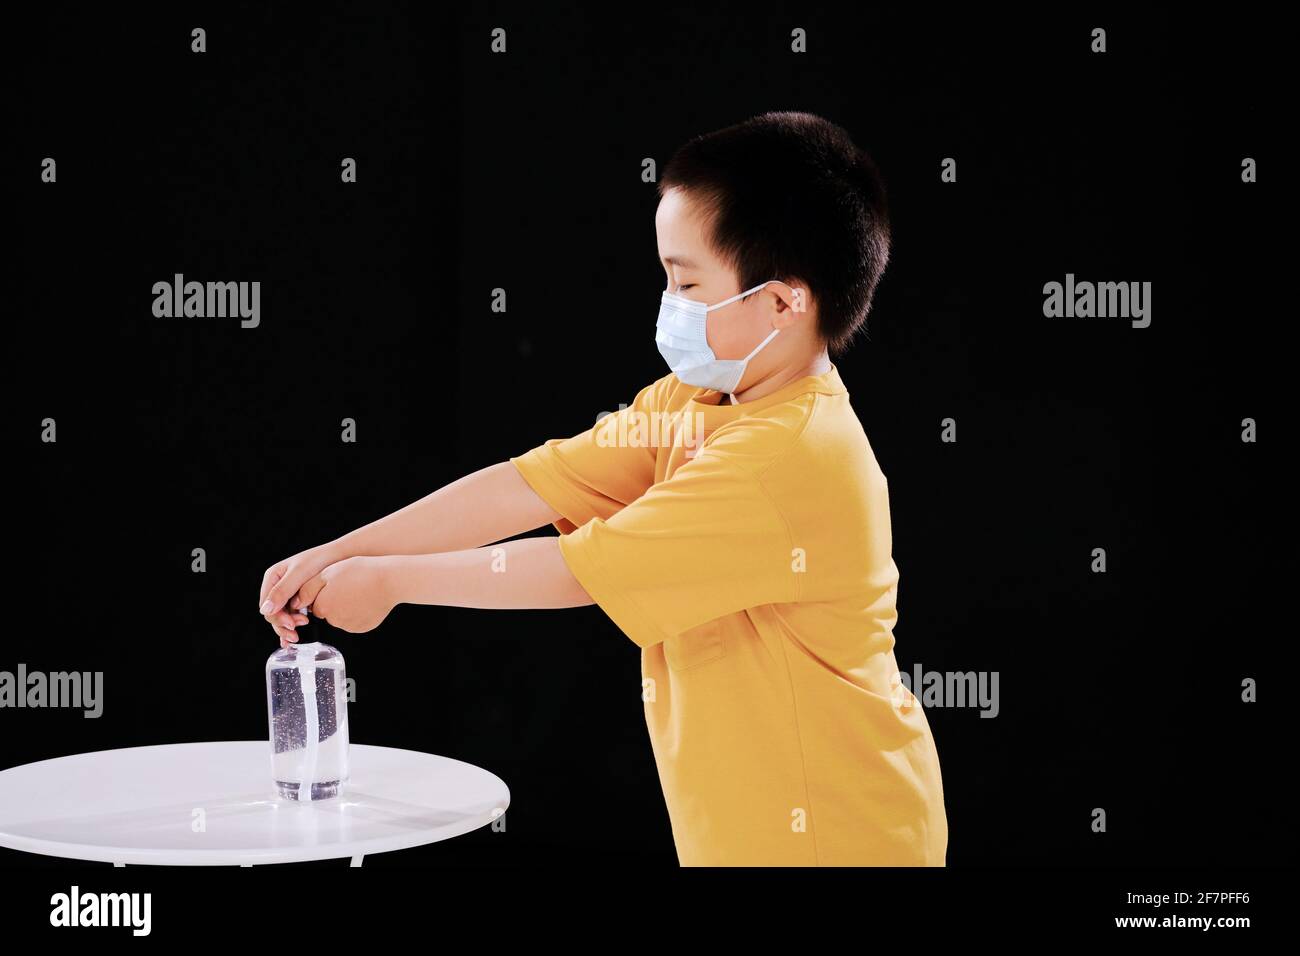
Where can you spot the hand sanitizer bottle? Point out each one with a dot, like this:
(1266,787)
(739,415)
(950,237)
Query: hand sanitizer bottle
(308,712)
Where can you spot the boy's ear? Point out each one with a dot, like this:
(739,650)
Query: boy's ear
(793,303)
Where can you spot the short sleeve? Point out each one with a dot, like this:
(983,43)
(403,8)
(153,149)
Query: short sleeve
(707,542)
(597,472)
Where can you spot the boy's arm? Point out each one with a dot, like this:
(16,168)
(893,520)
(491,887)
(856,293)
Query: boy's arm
(527,573)
(484,506)
(487,505)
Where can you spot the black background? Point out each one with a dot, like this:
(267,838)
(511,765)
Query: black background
(522,171)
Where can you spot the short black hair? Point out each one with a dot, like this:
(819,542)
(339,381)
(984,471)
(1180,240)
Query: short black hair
(789,194)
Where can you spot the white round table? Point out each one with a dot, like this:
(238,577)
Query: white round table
(213,804)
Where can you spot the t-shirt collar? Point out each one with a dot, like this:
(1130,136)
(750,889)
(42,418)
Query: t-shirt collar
(827,383)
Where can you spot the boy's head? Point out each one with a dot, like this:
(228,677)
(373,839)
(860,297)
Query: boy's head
(786,196)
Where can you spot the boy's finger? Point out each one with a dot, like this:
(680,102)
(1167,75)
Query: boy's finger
(278,596)
(272,603)
(307,593)
(289,619)
(269,580)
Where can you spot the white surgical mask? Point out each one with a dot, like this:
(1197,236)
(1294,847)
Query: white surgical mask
(683,342)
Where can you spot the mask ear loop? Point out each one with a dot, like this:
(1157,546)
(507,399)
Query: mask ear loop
(741,295)
(772,335)
(745,360)
(760,345)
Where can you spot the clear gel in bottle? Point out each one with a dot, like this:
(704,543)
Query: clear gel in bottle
(308,711)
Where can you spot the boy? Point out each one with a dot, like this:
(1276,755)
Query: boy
(733,522)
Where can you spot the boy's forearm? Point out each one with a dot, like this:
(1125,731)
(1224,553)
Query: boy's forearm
(484,506)
(527,573)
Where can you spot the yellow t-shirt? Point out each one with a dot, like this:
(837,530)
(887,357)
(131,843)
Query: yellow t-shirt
(746,549)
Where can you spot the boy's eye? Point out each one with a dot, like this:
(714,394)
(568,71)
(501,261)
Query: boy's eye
(689,285)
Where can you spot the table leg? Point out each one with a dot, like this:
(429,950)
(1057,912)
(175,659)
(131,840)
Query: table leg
(356,860)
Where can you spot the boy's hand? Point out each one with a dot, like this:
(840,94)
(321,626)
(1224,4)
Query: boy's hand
(354,594)
(281,582)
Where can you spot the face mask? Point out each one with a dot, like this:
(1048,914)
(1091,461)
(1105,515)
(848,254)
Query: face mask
(680,335)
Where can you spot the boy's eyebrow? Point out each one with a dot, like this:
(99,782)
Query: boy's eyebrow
(681,261)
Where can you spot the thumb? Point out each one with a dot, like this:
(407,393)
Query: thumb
(307,593)
(275,598)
